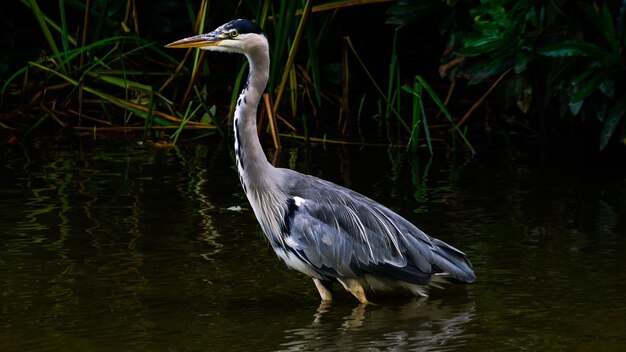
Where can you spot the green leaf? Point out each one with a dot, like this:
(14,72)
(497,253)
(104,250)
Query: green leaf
(592,85)
(484,45)
(574,108)
(208,116)
(433,95)
(602,22)
(569,48)
(612,120)
(490,67)
(39,16)
(121,82)
(608,87)
(521,62)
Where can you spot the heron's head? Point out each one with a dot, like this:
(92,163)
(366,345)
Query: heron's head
(237,36)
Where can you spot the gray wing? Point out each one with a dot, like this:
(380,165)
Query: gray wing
(345,234)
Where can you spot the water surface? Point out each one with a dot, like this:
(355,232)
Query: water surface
(118,246)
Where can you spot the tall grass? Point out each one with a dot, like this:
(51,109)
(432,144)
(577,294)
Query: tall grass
(108,78)
(395,110)
(97,85)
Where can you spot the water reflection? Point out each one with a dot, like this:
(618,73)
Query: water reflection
(419,324)
(89,234)
(125,247)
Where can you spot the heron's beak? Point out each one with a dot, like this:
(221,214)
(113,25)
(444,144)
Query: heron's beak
(197,41)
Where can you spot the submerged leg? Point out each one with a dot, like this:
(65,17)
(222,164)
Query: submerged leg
(324,292)
(354,286)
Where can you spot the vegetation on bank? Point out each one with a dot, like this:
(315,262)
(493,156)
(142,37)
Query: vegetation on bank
(529,66)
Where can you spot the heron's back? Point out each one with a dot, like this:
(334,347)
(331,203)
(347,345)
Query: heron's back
(340,232)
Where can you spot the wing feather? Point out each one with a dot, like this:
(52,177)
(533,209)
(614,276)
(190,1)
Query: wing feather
(344,233)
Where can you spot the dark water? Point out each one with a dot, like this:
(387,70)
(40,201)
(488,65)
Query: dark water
(122,247)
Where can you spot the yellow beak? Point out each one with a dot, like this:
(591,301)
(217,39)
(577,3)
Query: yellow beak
(197,41)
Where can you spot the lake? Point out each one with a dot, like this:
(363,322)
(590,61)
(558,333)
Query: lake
(121,246)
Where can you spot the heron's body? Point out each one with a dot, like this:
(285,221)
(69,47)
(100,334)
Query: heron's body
(323,230)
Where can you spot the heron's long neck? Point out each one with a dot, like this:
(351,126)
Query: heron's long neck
(255,171)
(258,177)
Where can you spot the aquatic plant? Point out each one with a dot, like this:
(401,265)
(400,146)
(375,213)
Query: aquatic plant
(548,56)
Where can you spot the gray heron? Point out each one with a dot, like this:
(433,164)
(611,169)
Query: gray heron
(326,231)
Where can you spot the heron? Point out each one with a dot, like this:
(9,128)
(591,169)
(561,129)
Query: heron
(323,230)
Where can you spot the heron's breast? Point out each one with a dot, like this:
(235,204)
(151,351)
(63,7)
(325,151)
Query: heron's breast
(294,262)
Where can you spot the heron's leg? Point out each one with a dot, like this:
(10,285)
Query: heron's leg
(324,292)
(354,286)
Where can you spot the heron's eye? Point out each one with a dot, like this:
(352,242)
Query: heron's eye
(233,33)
